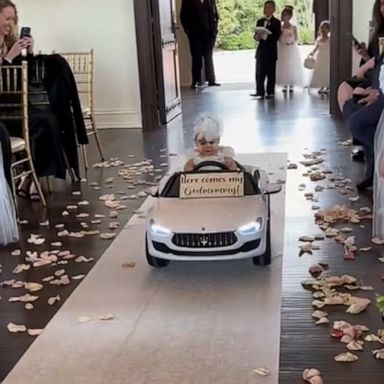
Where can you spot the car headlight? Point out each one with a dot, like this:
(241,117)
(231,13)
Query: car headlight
(158,230)
(252,227)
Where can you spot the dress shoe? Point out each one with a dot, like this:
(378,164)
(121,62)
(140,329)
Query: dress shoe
(193,86)
(256,96)
(368,177)
(357,155)
(214,84)
(270,96)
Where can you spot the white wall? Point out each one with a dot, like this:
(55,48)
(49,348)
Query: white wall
(362,14)
(109,28)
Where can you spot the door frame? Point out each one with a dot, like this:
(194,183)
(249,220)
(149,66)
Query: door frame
(147,64)
(341,12)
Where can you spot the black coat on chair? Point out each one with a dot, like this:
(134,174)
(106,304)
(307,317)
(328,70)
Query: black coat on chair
(65,104)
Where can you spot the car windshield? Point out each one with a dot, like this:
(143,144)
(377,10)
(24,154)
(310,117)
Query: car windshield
(250,184)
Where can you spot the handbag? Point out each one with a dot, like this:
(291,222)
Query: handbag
(309,62)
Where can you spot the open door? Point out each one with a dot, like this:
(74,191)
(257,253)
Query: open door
(158,61)
(167,61)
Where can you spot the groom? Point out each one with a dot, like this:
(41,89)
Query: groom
(266,53)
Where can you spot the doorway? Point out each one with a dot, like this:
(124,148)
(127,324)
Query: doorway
(235,47)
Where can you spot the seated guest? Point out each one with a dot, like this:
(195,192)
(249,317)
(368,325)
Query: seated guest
(363,114)
(367,63)
(11,46)
(207,133)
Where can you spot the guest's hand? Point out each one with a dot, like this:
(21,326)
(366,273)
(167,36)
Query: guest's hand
(372,95)
(17,48)
(29,41)
(362,51)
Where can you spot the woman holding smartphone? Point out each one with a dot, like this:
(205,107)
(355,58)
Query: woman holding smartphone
(11,46)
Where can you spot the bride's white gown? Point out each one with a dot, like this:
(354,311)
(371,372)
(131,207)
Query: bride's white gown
(8,224)
(378,182)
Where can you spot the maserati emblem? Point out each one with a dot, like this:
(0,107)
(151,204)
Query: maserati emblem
(203,240)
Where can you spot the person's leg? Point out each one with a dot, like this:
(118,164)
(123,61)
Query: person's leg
(7,153)
(260,76)
(271,77)
(209,45)
(197,59)
(344,93)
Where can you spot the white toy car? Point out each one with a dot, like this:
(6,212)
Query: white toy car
(210,215)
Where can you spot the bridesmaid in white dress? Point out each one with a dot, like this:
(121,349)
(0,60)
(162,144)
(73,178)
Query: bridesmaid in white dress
(289,72)
(321,52)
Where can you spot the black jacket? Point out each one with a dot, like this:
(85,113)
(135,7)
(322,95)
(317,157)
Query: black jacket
(267,49)
(189,17)
(65,105)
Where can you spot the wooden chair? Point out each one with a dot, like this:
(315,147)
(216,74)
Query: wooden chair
(82,64)
(14,106)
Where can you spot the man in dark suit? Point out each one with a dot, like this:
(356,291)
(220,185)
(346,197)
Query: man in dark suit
(320,9)
(199,19)
(266,53)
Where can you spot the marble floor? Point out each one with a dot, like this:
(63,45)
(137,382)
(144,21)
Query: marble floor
(188,323)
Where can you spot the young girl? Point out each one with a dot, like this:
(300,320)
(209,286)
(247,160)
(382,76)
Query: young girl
(289,72)
(207,132)
(320,75)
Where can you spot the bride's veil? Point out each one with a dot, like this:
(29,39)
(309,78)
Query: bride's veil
(378,182)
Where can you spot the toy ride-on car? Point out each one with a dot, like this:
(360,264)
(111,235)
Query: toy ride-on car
(210,214)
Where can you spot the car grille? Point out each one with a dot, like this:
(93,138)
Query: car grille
(204,240)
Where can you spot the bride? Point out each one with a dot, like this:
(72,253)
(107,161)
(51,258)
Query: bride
(378,183)
(8,224)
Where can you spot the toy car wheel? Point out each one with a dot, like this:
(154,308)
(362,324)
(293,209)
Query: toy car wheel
(154,261)
(265,258)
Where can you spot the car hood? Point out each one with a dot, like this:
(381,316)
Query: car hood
(215,214)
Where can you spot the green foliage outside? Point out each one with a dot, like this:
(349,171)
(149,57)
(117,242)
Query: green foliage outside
(238,20)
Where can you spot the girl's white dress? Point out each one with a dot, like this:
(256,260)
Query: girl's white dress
(320,75)
(8,224)
(378,183)
(289,67)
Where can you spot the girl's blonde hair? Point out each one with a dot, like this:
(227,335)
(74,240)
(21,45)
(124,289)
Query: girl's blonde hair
(13,35)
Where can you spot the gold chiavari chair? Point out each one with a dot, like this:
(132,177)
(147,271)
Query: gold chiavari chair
(82,65)
(14,107)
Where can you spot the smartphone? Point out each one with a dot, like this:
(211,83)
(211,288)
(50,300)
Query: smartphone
(25,32)
(356,42)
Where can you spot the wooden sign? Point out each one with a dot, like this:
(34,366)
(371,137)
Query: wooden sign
(212,184)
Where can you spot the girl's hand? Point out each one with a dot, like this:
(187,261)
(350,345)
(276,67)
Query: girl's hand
(189,166)
(17,49)
(230,164)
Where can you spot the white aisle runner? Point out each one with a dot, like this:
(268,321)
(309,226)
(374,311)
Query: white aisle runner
(189,323)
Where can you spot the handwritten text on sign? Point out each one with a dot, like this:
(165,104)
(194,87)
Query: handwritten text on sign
(213,184)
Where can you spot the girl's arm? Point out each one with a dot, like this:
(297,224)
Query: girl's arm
(314,49)
(295,34)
